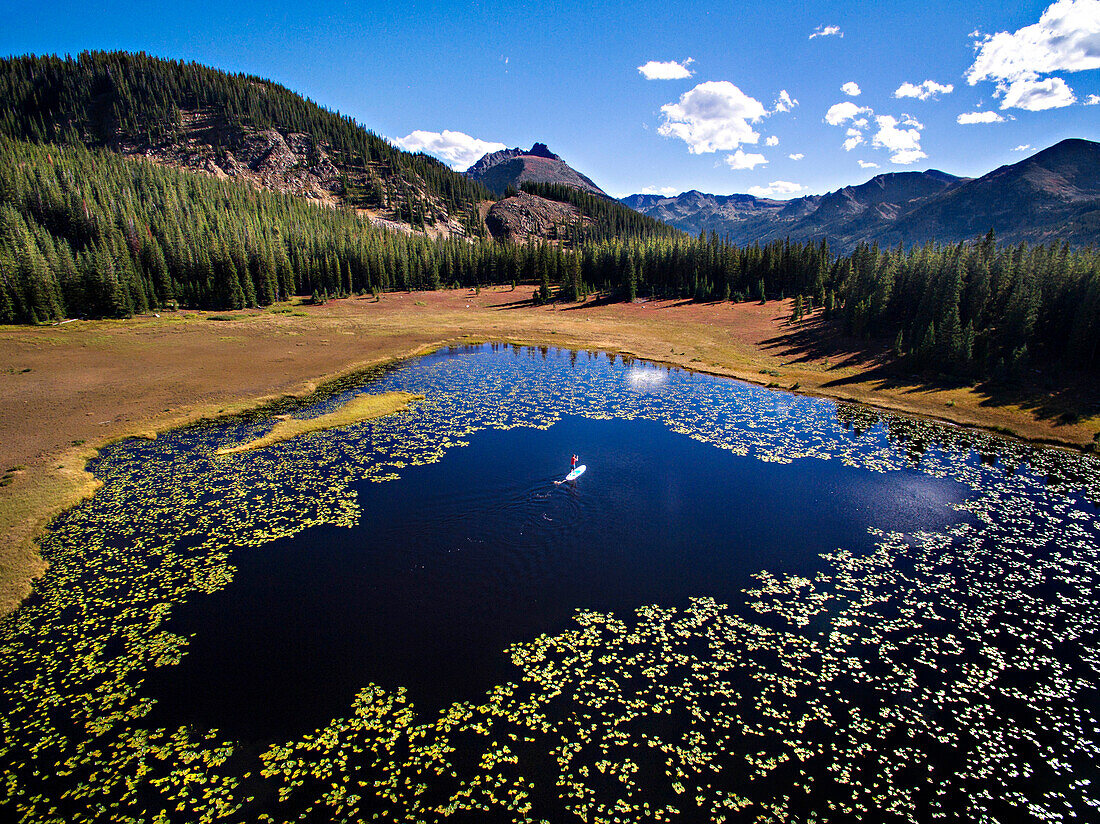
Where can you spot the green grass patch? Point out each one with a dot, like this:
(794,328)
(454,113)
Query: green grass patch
(358,409)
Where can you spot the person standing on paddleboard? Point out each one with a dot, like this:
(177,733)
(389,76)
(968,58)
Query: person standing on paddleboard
(574,462)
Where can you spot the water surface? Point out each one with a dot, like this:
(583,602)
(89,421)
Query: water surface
(461,558)
(754,605)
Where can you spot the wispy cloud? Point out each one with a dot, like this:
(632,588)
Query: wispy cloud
(970,118)
(1065,39)
(666,191)
(741,160)
(772,141)
(796,156)
(1091,100)
(867,164)
(852,89)
(827,31)
(668,70)
(776,188)
(457,149)
(923,91)
(713,116)
(1023,147)
(783,103)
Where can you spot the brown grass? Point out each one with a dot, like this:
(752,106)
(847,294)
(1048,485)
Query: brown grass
(68,390)
(358,409)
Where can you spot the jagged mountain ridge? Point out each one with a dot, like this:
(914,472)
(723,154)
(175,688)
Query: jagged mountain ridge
(1052,195)
(513,167)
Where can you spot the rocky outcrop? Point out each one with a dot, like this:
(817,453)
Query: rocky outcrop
(526,216)
(288,162)
(283,161)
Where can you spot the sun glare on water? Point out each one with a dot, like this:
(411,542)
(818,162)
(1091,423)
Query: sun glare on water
(646,378)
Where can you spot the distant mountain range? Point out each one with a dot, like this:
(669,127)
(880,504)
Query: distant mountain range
(497,171)
(1052,195)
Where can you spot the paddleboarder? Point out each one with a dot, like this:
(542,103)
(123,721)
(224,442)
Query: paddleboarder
(574,466)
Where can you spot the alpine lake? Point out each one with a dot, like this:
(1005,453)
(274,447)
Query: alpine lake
(754,606)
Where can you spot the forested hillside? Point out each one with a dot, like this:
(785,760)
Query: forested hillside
(608,218)
(86,232)
(192,116)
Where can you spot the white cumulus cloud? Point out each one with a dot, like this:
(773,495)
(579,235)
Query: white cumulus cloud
(839,112)
(796,156)
(667,70)
(772,141)
(1038,95)
(740,160)
(713,116)
(1091,100)
(867,164)
(783,103)
(775,188)
(827,31)
(900,138)
(923,91)
(851,89)
(1066,39)
(970,118)
(456,149)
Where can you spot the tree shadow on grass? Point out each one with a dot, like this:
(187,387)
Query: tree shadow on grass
(1061,397)
(518,303)
(816,339)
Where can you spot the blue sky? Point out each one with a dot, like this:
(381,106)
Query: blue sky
(567,74)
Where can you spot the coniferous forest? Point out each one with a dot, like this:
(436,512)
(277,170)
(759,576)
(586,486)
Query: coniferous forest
(118,98)
(86,232)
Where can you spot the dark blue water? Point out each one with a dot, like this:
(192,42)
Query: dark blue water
(458,559)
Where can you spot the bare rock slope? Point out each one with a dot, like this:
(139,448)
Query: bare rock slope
(526,216)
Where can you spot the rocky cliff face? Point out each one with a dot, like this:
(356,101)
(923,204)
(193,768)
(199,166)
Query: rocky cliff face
(511,167)
(289,162)
(283,161)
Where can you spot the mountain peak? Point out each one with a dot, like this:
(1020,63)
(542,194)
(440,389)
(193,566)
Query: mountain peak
(542,150)
(512,167)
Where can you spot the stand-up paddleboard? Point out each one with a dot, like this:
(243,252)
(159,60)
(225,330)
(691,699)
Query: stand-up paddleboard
(572,476)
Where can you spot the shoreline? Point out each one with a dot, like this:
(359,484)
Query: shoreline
(44,485)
